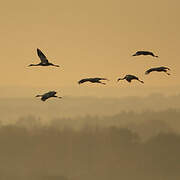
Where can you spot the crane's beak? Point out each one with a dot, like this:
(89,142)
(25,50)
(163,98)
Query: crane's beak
(38,95)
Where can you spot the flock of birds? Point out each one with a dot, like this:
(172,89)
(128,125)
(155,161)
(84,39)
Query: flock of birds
(128,77)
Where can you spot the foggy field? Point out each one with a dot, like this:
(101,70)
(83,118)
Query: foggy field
(128,146)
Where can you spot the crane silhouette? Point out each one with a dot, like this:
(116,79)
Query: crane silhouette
(92,80)
(44,60)
(48,95)
(158,69)
(138,53)
(129,78)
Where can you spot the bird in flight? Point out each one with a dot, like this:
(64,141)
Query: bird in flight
(158,69)
(138,53)
(44,60)
(130,77)
(48,95)
(92,80)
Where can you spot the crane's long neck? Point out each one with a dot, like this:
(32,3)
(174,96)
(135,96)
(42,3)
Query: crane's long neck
(121,79)
(34,65)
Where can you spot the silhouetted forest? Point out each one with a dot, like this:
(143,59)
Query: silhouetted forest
(90,138)
(92,152)
(146,124)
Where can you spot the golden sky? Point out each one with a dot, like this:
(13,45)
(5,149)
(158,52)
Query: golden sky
(88,39)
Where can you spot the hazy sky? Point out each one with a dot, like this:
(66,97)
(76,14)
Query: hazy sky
(88,39)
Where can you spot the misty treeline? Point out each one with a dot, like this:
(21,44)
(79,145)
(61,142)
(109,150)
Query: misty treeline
(81,106)
(32,150)
(146,124)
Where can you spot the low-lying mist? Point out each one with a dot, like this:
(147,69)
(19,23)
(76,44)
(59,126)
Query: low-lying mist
(11,109)
(90,138)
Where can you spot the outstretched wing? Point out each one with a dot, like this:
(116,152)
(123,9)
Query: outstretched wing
(83,80)
(144,53)
(150,70)
(42,57)
(48,95)
(100,79)
(43,98)
(138,53)
(51,93)
(130,76)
